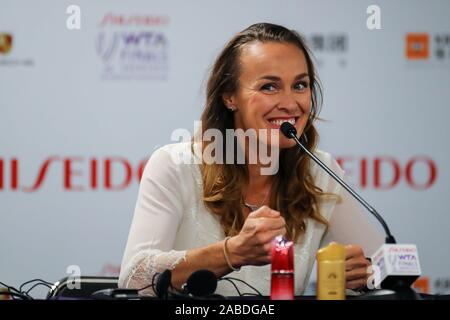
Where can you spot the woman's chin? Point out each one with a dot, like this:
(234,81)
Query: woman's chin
(287,144)
(282,144)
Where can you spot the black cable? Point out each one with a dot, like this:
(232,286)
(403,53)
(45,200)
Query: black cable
(236,279)
(13,294)
(34,280)
(151,284)
(234,285)
(132,290)
(11,289)
(37,284)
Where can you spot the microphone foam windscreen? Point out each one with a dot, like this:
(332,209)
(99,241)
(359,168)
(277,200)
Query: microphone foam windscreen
(162,284)
(287,129)
(201,283)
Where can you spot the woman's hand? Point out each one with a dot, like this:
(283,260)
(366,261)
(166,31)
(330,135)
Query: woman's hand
(356,266)
(253,245)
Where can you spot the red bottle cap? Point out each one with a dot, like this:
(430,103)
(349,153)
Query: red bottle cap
(282,255)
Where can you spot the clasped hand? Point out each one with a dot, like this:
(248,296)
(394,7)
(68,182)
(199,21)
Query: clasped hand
(253,246)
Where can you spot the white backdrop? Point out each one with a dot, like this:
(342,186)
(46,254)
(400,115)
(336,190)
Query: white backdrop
(81,110)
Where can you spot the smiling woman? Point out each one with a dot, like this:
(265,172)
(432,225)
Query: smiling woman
(274,87)
(224,216)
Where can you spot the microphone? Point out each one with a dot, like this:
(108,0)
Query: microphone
(163,282)
(116,294)
(398,265)
(290,132)
(201,284)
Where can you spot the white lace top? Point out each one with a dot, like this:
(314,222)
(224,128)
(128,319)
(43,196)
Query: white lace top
(170,218)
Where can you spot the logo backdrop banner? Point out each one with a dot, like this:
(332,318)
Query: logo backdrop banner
(82,110)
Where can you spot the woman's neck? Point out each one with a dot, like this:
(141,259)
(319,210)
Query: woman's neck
(257,181)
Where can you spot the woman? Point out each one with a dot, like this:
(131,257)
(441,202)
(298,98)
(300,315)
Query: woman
(223,217)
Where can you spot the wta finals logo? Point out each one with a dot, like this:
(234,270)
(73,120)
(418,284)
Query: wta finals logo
(133,47)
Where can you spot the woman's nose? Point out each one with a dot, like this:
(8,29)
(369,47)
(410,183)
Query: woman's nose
(288,103)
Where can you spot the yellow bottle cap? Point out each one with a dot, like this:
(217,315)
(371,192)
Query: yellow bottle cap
(334,251)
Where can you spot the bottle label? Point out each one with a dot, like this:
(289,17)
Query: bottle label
(331,280)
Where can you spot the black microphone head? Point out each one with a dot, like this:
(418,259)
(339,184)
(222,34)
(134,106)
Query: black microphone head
(288,130)
(201,283)
(163,283)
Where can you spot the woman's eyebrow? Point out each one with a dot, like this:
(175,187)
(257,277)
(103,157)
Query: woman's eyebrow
(276,78)
(301,76)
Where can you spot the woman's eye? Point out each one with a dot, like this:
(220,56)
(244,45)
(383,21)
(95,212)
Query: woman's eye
(301,85)
(269,87)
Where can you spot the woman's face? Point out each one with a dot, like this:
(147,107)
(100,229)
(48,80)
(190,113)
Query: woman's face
(274,87)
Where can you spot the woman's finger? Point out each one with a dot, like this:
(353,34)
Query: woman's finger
(353,251)
(268,237)
(264,211)
(265,224)
(355,284)
(356,263)
(355,274)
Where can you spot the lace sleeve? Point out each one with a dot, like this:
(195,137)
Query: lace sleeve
(143,267)
(156,219)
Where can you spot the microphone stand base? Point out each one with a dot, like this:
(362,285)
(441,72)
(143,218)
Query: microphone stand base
(391,294)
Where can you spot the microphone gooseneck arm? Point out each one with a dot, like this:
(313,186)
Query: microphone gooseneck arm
(290,132)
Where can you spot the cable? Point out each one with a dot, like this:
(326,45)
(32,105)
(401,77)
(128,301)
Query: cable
(9,287)
(151,284)
(13,292)
(21,293)
(34,280)
(234,285)
(236,279)
(37,284)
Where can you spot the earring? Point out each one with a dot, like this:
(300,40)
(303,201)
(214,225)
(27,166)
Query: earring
(232,108)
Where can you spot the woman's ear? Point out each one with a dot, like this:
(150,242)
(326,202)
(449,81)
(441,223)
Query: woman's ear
(229,101)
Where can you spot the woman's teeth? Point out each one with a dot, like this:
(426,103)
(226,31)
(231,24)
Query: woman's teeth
(279,122)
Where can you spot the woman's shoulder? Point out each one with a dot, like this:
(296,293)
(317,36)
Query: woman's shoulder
(175,153)
(169,147)
(174,159)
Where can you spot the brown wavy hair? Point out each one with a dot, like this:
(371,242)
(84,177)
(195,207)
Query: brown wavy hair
(293,191)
